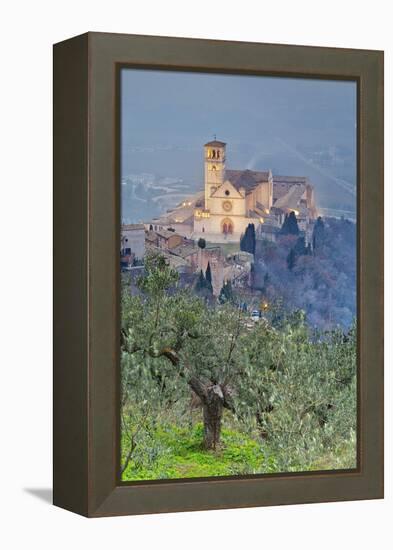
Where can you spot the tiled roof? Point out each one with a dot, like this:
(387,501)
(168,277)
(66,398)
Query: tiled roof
(166,234)
(290,179)
(291,198)
(184,250)
(249,179)
(150,236)
(215,143)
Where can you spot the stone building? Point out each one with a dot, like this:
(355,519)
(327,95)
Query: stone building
(231,199)
(234,198)
(132,240)
(164,239)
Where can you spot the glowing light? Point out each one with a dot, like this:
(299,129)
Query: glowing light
(267,211)
(261,220)
(296,212)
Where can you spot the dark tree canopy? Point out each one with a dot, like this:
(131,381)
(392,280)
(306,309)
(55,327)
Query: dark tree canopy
(226,293)
(291,259)
(201,243)
(248,241)
(208,277)
(290,226)
(300,246)
(318,236)
(322,282)
(201,282)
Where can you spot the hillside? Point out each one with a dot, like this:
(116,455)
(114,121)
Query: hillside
(320,279)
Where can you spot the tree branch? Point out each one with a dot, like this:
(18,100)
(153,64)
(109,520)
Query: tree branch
(168,353)
(198,387)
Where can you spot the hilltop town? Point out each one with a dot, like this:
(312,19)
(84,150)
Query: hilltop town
(206,228)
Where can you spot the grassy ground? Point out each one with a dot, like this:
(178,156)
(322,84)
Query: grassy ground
(174,452)
(181,456)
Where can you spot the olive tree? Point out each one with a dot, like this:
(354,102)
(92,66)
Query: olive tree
(177,337)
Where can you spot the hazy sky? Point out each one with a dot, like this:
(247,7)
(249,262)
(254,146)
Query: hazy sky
(292,126)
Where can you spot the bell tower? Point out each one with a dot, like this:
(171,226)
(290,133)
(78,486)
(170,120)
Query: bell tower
(214,167)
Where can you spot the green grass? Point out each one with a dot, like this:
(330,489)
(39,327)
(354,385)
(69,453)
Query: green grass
(175,452)
(342,457)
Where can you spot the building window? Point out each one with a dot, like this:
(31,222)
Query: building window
(227,193)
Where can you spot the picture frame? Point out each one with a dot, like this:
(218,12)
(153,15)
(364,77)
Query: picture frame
(86,273)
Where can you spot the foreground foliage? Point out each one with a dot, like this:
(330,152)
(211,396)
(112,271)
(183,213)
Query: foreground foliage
(206,394)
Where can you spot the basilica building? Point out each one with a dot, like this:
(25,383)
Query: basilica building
(231,199)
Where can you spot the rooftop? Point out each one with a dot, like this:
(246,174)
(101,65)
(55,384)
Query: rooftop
(290,179)
(291,198)
(184,250)
(249,179)
(215,143)
(166,234)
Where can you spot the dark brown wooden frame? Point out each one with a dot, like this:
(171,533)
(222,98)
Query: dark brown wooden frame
(86,275)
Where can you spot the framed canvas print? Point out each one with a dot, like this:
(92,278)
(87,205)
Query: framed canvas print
(218,260)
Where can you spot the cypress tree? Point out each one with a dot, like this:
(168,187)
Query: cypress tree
(201,243)
(208,278)
(226,294)
(248,240)
(291,259)
(252,238)
(293,228)
(290,226)
(300,247)
(243,241)
(201,283)
(318,235)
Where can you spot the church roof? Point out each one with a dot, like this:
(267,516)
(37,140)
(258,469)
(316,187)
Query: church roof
(290,179)
(291,198)
(249,179)
(215,143)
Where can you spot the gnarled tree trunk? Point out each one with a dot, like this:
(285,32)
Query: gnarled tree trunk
(213,398)
(212,417)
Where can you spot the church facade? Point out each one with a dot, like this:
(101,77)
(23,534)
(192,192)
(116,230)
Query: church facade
(234,198)
(231,199)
